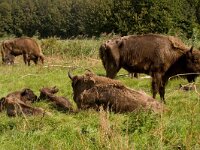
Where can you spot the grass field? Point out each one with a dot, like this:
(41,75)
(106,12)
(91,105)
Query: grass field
(178,128)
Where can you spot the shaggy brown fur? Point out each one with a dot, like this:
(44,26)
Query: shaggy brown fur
(26,95)
(17,107)
(61,103)
(92,91)
(25,46)
(157,55)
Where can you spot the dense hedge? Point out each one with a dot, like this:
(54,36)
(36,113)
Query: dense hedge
(68,18)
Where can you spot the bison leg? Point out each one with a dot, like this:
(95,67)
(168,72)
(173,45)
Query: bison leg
(136,75)
(25,58)
(35,60)
(157,85)
(162,93)
(29,60)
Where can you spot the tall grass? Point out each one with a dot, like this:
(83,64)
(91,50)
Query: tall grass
(178,128)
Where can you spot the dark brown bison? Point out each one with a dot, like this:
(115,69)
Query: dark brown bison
(92,91)
(16,104)
(61,103)
(26,95)
(157,55)
(25,46)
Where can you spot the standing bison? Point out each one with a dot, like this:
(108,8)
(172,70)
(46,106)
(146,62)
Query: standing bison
(157,55)
(92,91)
(25,46)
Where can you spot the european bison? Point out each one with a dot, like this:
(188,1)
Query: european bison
(92,91)
(157,55)
(25,46)
(16,103)
(59,102)
(26,95)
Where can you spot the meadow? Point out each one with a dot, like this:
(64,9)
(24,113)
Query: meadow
(178,128)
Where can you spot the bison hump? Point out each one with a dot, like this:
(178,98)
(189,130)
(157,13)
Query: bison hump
(178,44)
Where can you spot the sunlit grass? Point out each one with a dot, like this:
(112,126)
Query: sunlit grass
(178,128)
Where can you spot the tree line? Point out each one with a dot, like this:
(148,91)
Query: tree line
(70,18)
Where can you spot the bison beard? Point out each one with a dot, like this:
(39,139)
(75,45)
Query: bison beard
(157,55)
(91,91)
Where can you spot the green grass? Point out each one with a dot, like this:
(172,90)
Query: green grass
(178,128)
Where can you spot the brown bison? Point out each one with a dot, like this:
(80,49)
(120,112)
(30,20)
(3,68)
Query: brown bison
(26,95)
(16,103)
(156,55)
(61,103)
(25,46)
(92,91)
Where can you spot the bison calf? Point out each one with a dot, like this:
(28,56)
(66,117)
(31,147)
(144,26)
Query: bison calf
(15,104)
(59,102)
(26,95)
(92,91)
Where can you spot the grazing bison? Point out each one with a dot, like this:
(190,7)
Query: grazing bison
(59,102)
(156,55)
(15,104)
(25,46)
(92,91)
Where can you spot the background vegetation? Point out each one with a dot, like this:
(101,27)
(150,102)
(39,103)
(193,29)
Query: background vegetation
(178,128)
(86,24)
(70,18)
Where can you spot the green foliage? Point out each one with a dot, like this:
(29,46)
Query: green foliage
(71,48)
(141,122)
(72,18)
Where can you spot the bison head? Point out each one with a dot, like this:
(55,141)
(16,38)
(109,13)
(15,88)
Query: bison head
(44,92)
(193,60)
(109,53)
(28,95)
(81,83)
(8,59)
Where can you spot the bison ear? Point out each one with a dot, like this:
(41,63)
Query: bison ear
(24,92)
(191,49)
(189,53)
(2,99)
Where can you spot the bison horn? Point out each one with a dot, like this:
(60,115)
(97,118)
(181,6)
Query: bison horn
(70,76)
(88,70)
(191,49)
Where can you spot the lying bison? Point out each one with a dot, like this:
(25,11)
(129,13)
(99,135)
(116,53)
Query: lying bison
(157,55)
(61,103)
(25,46)
(92,91)
(16,104)
(26,95)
